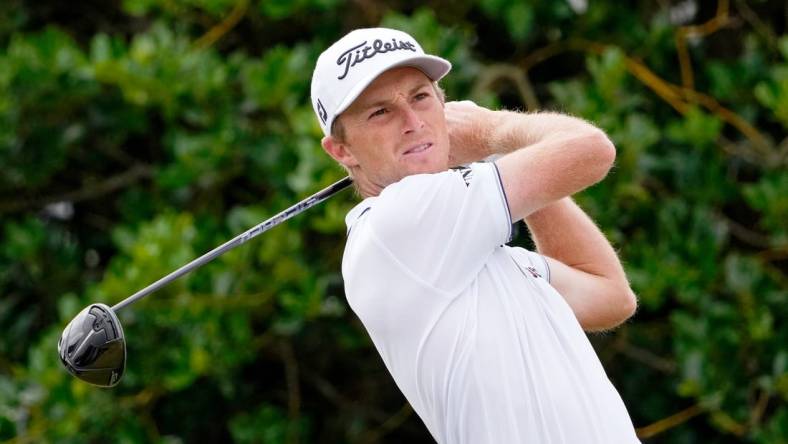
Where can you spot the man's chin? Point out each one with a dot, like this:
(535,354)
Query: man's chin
(426,168)
(409,170)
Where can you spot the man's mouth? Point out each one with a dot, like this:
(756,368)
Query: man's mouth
(420,148)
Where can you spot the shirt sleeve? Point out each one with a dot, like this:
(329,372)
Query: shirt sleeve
(528,259)
(442,227)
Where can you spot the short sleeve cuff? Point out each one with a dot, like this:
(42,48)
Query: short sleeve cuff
(487,175)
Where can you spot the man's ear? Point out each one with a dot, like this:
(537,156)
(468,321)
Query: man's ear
(339,151)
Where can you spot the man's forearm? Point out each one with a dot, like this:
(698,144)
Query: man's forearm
(477,133)
(584,268)
(515,130)
(546,158)
(598,291)
(563,231)
(550,156)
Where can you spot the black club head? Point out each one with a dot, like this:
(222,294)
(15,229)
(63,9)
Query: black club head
(93,348)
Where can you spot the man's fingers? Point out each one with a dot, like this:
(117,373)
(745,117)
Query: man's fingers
(462,112)
(461,106)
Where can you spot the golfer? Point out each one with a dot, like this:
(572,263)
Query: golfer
(486,341)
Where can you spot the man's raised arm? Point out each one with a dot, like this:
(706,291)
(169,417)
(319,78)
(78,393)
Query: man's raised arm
(547,157)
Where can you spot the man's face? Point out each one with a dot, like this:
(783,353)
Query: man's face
(395,128)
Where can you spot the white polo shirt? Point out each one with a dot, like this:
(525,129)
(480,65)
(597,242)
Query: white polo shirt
(479,342)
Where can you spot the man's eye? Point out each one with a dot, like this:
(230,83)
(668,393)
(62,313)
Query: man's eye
(421,96)
(379,112)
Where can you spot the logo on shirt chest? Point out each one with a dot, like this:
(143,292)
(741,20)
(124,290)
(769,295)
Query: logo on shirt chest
(533,272)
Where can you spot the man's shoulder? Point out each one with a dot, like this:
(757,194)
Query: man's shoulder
(417,181)
(401,204)
(416,195)
(420,186)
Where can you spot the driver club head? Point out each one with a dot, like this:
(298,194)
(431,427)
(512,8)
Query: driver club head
(93,348)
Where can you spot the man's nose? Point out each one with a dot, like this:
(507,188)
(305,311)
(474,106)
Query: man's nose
(412,119)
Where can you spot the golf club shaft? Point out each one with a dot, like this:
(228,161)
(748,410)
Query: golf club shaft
(305,204)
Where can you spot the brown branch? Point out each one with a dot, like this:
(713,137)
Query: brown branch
(741,149)
(671,421)
(662,88)
(334,395)
(773,254)
(326,389)
(115,153)
(263,341)
(218,31)
(502,71)
(782,150)
(144,401)
(719,20)
(745,234)
(760,27)
(372,10)
(143,398)
(392,423)
(760,408)
(34,435)
(685,63)
(749,131)
(149,424)
(87,192)
(776,273)
(293,390)
(728,424)
(553,49)
(647,357)
(677,97)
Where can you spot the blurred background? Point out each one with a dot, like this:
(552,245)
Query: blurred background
(138,134)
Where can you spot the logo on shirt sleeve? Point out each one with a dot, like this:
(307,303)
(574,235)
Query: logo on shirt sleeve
(526,270)
(466,173)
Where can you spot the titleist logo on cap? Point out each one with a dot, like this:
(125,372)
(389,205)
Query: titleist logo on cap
(359,53)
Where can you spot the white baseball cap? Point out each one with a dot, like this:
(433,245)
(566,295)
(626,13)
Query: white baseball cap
(348,66)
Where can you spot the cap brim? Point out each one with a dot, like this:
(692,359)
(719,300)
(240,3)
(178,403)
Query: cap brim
(433,67)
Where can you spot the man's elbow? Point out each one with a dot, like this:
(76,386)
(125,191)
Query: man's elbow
(620,303)
(629,304)
(624,304)
(604,152)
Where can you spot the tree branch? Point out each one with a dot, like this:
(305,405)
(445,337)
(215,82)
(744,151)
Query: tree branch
(645,356)
(392,423)
(293,390)
(503,71)
(745,234)
(757,24)
(88,192)
(671,421)
(218,31)
(719,20)
(334,395)
(679,98)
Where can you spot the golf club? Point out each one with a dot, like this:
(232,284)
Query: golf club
(93,347)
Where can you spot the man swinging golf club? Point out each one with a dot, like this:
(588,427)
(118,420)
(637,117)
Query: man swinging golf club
(485,341)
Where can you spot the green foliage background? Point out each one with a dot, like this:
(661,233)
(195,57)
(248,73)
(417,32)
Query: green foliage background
(137,134)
